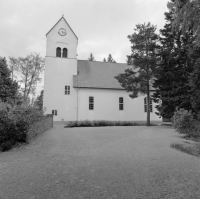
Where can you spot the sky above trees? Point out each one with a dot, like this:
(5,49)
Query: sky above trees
(102,26)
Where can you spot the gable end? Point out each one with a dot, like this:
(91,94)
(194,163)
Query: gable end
(66,23)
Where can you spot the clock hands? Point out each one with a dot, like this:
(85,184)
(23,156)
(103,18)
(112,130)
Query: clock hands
(62,32)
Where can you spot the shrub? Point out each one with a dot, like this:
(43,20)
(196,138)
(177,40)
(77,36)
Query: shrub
(117,123)
(102,123)
(6,124)
(128,124)
(27,114)
(110,123)
(15,121)
(7,145)
(184,123)
(86,123)
(96,123)
(72,124)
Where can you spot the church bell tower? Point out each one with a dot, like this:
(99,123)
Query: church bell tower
(60,67)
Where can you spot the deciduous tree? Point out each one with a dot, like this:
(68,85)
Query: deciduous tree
(28,71)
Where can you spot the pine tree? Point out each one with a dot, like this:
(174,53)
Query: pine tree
(143,59)
(91,57)
(8,88)
(110,59)
(194,82)
(177,61)
(187,16)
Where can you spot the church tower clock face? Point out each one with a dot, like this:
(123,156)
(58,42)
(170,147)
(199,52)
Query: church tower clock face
(62,32)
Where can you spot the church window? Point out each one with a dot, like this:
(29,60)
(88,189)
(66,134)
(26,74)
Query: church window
(54,112)
(67,90)
(91,103)
(145,105)
(121,104)
(58,52)
(65,51)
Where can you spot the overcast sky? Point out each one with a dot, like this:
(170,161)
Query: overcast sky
(102,26)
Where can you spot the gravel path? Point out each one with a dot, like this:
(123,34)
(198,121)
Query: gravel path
(98,163)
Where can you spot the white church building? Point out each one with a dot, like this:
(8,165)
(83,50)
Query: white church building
(85,90)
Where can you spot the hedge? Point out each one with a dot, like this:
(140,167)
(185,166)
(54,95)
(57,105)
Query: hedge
(15,122)
(99,123)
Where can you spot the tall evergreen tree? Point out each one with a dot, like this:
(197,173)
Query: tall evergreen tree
(194,81)
(177,61)
(104,59)
(110,59)
(143,59)
(186,16)
(8,88)
(91,57)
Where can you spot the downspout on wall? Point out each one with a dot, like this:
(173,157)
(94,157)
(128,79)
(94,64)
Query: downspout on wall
(77,98)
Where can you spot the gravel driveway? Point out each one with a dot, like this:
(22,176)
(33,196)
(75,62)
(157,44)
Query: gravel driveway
(98,163)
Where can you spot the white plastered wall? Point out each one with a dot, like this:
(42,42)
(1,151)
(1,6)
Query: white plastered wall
(59,73)
(106,106)
(68,41)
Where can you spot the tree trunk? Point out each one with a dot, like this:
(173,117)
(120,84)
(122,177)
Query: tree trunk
(12,72)
(25,86)
(148,105)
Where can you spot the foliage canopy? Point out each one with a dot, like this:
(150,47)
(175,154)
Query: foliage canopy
(143,59)
(28,71)
(8,87)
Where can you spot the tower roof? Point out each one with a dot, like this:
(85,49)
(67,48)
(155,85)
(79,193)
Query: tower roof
(65,22)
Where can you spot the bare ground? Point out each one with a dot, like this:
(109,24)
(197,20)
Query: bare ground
(101,162)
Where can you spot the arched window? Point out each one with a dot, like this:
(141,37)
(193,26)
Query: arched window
(145,105)
(58,52)
(91,103)
(121,104)
(65,51)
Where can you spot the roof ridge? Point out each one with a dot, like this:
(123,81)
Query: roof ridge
(102,62)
